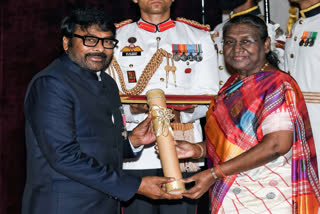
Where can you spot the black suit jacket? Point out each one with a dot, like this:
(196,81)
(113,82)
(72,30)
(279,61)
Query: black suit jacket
(74,143)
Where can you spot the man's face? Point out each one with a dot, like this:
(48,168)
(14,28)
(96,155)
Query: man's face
(154,6)
(89,58)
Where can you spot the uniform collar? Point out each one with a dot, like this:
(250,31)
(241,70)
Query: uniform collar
(255,10)
(154,28)
(310,11)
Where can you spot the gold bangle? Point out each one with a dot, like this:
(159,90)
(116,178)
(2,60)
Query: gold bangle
(201,149)
(214,175)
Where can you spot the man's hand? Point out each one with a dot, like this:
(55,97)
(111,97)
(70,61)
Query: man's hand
(138,108)
(153,187)
(143,134)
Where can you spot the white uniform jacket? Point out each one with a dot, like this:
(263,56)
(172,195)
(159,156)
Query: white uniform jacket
(138,42)
(302,61)
(277,44)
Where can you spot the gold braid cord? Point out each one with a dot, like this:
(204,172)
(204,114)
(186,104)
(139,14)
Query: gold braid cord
(292,18)
(311,97)
(194,23)
(146,75)
(125,22)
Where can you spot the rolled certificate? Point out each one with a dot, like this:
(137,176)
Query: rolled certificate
(161,117)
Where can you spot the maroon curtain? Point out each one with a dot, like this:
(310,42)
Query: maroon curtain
(29,41)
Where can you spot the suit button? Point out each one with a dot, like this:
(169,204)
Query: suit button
(220,82)
(221,52)
(289,72)
(295,38)
(130,65)
(301,21)
(161,79)
(220,67)
(291,55)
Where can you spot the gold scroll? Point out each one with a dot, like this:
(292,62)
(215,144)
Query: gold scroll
(161,117)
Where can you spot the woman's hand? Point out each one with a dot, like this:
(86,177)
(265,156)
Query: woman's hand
(190,150)
(186,149)
(203,181)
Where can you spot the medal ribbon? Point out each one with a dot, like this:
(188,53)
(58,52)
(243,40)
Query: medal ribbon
(184,49)
(180,48)
(190,48)
(199,48)
(175,49)
(303,38)
(308,39)
(313,37)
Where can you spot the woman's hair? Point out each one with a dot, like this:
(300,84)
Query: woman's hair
(86,17)
(258,23)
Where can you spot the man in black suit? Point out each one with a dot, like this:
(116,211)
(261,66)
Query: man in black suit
(74,128)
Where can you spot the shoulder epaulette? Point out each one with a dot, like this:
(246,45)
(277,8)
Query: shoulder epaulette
(123,23)
(194,23)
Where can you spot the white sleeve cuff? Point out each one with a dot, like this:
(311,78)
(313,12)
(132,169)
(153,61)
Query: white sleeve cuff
(199,112)
(135,149)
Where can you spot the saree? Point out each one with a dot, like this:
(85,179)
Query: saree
(234,123)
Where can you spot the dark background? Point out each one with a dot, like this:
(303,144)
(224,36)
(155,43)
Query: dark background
(29,41)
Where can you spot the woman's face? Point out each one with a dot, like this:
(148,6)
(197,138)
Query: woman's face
(244,50)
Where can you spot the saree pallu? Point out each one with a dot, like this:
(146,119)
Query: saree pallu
(234,126)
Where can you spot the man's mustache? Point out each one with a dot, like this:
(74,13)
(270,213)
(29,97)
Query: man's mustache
(96,54)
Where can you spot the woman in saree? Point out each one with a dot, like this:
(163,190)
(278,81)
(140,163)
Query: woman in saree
(259,144)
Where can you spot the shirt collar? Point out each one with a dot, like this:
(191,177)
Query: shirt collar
(255,10)
(156,28)
(310,11)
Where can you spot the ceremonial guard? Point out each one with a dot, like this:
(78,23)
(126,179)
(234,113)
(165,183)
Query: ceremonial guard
(241,7)
(184,48)
(302,60)
(177,56)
